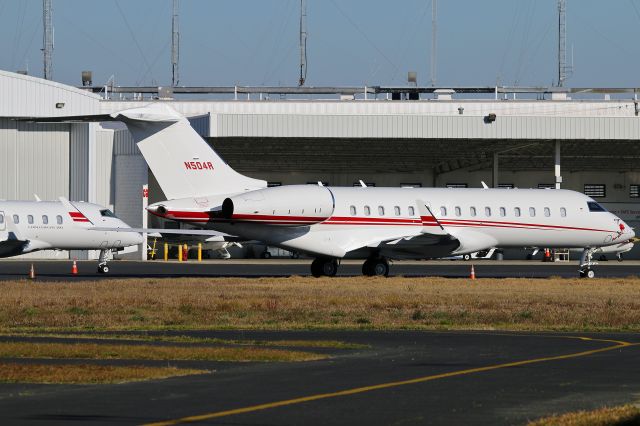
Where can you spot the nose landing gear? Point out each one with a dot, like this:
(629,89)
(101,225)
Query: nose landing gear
(586,263)
(103,268)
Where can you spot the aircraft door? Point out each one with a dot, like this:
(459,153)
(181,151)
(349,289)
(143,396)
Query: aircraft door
(3,224)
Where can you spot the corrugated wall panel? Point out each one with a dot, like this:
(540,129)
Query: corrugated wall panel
(8,163)
(42,160)
(79,162)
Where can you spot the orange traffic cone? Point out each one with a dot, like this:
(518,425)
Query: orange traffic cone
(74,268)
(473,273)
(32,273)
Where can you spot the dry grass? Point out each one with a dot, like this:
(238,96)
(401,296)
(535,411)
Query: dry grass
(626,415)
(86,373)
(324,344)
(149,352)
(301,303)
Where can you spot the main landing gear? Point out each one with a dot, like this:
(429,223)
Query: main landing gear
(586,263)
(324,266)
(103,268)
(375,266)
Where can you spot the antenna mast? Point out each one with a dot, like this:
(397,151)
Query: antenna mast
(175,45)
(434,16)
(303,42)
(562,42)
(47,39)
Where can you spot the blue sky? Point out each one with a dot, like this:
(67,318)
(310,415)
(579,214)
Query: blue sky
(351,42)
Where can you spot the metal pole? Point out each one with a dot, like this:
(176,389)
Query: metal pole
(175,45)
(434,15)
(562,42)
(47,39)
(303,42)
(557,165)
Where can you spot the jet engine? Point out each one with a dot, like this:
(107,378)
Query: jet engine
(291,205)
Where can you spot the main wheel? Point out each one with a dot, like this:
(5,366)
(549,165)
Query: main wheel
(367,269)
(316,268)
(324,267)
(380,267)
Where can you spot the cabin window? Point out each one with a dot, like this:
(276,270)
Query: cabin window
(472,211)
(367,210)
(563,212)
(443,211)
(1,218)
(59,219)
(503,211)
(516,212)
(458,211)
(396,210)
(30,219)
(487,211)
(16,219)
(412,211)
(532,211)
(45,219)
(380,211)
(353,210)
(547,212)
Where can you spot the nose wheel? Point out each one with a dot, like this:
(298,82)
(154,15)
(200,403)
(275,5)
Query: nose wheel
(586,263)
(103,268)
(323,266)
(375,266)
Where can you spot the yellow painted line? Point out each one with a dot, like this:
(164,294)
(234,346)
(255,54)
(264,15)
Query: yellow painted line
(618,344)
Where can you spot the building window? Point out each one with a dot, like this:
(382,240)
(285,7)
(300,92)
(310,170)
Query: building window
(472,211)
(634,191)
(532,211)
(457,185)
(272,184)
(367,211)
(546,186)
(487,211)
(443,211)
(411,211)
(563,212)
(547,212)
(595,190)
(352,210)
(505,185)
(503,211)
(411,185)
(396,210)
(59,219)
(380,211)
(1,217)
(458,211)
(516,212)
(16,219)
(30,219)
(45,219)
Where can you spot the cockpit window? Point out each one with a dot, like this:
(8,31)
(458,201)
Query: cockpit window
(595,207)
(107,213)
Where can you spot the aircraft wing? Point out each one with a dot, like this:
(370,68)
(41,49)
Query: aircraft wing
(163,231)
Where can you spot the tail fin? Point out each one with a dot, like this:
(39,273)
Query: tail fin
(182,162)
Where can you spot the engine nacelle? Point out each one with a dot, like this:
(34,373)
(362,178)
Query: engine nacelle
(291,205)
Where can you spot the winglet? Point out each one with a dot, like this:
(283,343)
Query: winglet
(36,197)
(362,184)
(484,185)
(76,215)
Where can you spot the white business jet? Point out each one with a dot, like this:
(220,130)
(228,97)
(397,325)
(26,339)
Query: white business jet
(380,223)
(28,226)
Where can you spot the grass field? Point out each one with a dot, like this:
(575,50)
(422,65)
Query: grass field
(305,303)
(625,415)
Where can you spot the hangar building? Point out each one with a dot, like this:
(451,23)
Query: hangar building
(450,139)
